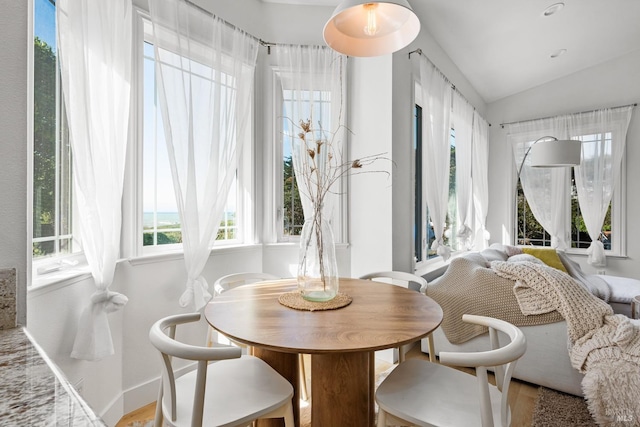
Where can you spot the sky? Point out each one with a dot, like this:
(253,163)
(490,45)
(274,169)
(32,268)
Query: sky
(44,22)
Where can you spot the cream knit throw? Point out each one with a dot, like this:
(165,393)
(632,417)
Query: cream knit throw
(604,346)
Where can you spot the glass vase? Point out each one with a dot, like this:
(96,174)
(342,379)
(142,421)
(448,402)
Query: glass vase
(317,267)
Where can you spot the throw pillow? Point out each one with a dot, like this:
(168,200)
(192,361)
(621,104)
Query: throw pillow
(546,255)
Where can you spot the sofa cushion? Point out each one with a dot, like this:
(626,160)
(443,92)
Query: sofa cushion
(595,284)
(623,289)
(510,250)
(492,254)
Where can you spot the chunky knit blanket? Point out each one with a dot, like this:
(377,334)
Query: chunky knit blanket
(603,346)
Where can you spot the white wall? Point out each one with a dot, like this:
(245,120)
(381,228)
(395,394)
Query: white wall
(610,84)
(370,195)
(13,145)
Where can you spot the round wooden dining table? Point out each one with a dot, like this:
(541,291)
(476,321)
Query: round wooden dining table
(341,342)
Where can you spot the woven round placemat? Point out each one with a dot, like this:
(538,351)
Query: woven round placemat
(294,300)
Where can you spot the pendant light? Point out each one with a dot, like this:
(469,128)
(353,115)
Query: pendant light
(361,28)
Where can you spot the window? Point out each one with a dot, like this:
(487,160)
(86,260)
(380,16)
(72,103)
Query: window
(53,215)
(424,234)
(293,217)
(290,218)
(530,232)
(417,214)
(451,226)
(161,228)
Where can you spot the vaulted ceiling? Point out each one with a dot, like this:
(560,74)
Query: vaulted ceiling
(504,47)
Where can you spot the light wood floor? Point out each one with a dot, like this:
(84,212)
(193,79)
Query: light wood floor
(522,396)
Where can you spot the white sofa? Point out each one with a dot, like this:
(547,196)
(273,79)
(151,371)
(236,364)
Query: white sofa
(546,361)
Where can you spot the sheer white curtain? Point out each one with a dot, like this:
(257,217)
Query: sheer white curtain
(94,40)
(546,189)
(603,134)
(463,125)
(204,70)
(480,167)
(436,131)
(312,79)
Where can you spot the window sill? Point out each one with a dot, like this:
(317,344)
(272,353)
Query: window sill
(176,255)
(44,283)
(583,252)
(341,246)
(49,282)
(435,264)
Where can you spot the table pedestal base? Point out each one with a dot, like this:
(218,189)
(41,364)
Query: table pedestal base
(342,389)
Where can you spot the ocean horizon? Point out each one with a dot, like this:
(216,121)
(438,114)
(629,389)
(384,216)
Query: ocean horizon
(163,219)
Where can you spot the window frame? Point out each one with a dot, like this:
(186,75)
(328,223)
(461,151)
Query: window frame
(43,266)
(339,220)
(245,190)
(427,259)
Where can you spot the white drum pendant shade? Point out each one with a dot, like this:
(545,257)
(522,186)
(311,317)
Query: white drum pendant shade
(359,28)
(552,153)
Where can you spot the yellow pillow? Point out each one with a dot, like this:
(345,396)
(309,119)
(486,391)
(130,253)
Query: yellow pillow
(546,255)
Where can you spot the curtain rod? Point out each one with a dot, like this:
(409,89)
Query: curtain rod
(453,86)
(206,12)
(581,112)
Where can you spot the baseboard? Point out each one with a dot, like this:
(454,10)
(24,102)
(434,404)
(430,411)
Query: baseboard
(114,411)
(135,398)
(141,395)
(389,355)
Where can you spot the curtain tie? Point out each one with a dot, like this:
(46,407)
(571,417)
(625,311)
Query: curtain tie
(465,232)
(93,338)
(196,293)
(441,249)
(464,235)
(596,254)
(108,301)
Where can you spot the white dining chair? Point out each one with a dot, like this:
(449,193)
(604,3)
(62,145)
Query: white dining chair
(422,393)
(410,281)
(231,281)
(234,390)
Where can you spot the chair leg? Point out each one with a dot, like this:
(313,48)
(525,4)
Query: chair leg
(210,336)
(382,418)
(303,378)
(159,417)
(288,416)
(432,349)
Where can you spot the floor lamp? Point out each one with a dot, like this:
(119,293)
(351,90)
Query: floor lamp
(549,152)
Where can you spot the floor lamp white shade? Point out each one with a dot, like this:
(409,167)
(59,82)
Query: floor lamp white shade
(361,28)
(556,153)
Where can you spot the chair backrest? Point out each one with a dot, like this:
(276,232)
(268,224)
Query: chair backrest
(162,336)
(501,359)
(400,278)
(234,280)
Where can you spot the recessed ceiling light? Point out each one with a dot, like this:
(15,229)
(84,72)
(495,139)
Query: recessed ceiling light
(559,52)
(552,9)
